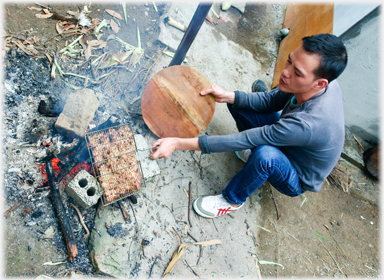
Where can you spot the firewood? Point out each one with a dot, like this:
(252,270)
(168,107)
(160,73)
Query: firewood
(58,205)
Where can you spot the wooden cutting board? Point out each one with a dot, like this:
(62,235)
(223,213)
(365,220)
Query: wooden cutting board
(172,106)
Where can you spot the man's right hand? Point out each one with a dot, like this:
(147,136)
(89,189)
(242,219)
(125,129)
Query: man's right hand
(221,96)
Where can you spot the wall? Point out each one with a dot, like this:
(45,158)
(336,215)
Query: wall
(360,80)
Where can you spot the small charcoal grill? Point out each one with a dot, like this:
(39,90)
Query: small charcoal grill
(114,162)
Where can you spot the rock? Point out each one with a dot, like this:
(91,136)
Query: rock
(117,250)
(78,112)
(239,5)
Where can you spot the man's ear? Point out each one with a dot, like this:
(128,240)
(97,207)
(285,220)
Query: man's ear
(321,83)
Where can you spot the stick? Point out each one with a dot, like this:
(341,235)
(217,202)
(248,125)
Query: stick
(332,257)
(274,201)
(154,62)
(124,212)
(180,158)
(142,247)
(201,248)
(150,272)
(58,205)
(81,221)
(189,203)
(358,142)
(194,272)
(15,206)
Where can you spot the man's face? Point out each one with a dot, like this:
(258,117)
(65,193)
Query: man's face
(297,76)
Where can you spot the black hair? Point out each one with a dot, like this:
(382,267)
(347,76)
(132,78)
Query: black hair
(333,55)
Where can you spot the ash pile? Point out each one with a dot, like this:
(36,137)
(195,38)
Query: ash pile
(43,155)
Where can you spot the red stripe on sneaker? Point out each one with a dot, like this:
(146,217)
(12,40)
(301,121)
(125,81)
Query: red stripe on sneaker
(224,211)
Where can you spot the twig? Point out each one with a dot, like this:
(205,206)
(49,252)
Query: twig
(215,225)
(15,206)
(142,247)
(358,142)
(189,203)
(194,272)
(181,158)
(201,248)
(154,62)
(274,201)
(124,212)
(150,272)
(332,258)
(178,221)
(81,221)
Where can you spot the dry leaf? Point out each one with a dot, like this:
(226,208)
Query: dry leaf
(21,46)
(116,59)
(32,49)
(69,26)
(82,42)
(86,81)
(181,250)
(111,37)
(114,26)
(49,57)
(44,16)
(59,28)
(48,234)
(34,9)
(103,45)
(75,14)
(96,43)
(88,52)
(46,11)
(114,14)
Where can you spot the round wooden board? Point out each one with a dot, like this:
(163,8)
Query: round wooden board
(172,106)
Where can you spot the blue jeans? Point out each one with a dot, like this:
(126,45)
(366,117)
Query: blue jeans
(265,163)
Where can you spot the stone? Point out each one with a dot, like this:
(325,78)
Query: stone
(84,189)
(149,167)
(78,112)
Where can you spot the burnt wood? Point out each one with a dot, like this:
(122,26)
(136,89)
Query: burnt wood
(58,205)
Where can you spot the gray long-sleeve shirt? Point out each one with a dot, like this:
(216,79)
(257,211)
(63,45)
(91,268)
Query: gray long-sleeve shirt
(311,135)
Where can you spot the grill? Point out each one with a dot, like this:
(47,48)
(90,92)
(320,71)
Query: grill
(114,162)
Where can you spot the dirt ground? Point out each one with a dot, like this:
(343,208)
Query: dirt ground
(348,226)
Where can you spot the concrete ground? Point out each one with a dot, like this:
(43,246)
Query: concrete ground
(331,233)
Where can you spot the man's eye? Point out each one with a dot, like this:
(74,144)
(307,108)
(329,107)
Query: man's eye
(297,74)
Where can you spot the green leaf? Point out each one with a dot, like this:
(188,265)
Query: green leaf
(321,236)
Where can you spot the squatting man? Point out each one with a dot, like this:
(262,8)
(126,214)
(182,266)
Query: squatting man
(294,150)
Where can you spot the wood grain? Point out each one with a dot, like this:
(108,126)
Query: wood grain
(172,106)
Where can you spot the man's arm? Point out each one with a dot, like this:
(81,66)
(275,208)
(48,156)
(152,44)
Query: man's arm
(167,146)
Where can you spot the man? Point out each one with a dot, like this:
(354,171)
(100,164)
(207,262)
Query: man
(294,151)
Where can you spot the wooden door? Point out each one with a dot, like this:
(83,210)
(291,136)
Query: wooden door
(302,19)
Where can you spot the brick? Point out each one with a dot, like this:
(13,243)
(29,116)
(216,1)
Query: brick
(84,189)
(78,112)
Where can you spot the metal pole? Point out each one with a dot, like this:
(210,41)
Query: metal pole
(191,32)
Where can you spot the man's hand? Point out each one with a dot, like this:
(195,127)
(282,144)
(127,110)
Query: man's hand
(221,96)
(166,146)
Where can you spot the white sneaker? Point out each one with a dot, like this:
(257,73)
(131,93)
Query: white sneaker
(213,206)
(243,155)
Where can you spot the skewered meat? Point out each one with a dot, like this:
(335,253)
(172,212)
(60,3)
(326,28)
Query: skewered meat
(115,162)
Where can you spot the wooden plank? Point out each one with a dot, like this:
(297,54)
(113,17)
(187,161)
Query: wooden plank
(172,106)
(302,20)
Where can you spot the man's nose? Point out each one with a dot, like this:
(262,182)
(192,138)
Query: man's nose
(285,73)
